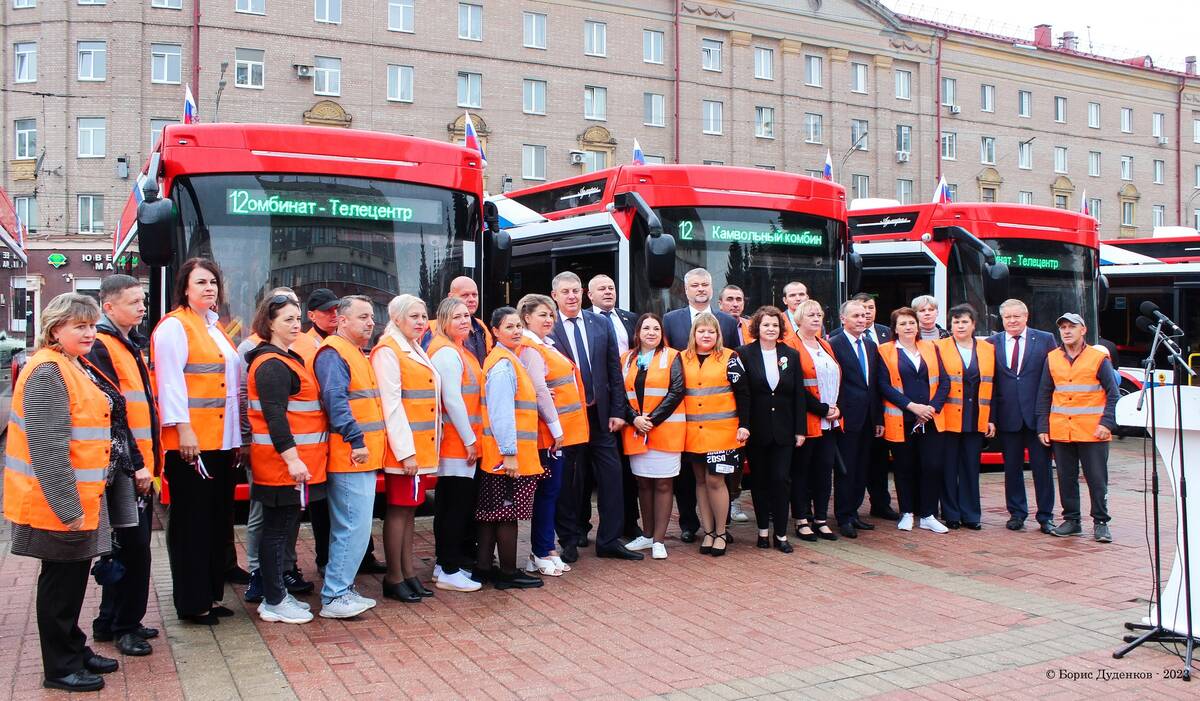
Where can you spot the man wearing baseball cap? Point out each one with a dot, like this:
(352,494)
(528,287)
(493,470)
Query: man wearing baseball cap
(1076,407)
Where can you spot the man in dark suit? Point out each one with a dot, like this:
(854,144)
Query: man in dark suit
(588,339)
(862,415)
(602,293)
(677,324)
(1020,359)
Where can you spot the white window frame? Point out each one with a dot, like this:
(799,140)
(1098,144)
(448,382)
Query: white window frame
(654,109)
(474,84)
(858,77)
(1128,213)
(860,128)
(24,4)
(24,146)
(1062,201)
(1196,130)
(814,128)
(1094,161)
(156,127)
(764,63)
(533,30)
(903,81)
(653,42)
(27,209)
(25,55)
(987,98)
(164,58)
(533,96)
(160,4)
(327,11)
(89,224)
(1060,109)
(595,96)
(402,78)
(91,53)
(1126,167)
(1158,122)
(713,117)
(1126,120)
(1024,197)
(1158,215)
(860,186)
(987,150)
(710,54)
(1093,115)
(247,63)
(949,146)
(764,122)
(1094,206)
(91,137)
(327,79)
(1024,104)
(470,21)
(904,137)
(949,92)
(1060,159)
(404,12)
(1159,171)
(246,7)
(814,70)
(1025,155)
(533,162)
(904,191)
(595,38)
(594,160)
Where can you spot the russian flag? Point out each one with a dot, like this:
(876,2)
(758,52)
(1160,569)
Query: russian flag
(639,158)
(828,171)
(472,139)
(942,194)
(189,106)
(1083,205)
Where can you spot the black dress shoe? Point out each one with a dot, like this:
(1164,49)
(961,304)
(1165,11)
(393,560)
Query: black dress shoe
(764,542)
(973,526)
(146,633)
(516,580)
(863,525)
(221,612)
(619,552)
(400,592)
(687,536)
(370,565)
(133,646)
(79,681)
(847,530)
(419,589)
(237,575)
(954,525)
(569,553)
(886,513)
(782,545)
(822,534)
(583,541)
(1015,524)
(102,636)
(97,664)
(202,619)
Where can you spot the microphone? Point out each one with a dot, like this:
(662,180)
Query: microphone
(1144,324)
(1151,310)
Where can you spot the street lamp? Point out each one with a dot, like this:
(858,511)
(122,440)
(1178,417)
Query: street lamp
(852,149)
(220,89)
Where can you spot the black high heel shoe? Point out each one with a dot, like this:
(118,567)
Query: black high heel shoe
(400,591)
(824,534)
(782,544)
(764,542)
(706,549)
(724,545)
(417,588)
(810,536)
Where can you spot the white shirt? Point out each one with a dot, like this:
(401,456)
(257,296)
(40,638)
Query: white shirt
(697,312)
(966,354)
(771,366)
(854,349)
(914,356)
(569,327)
(388,376)
(829,377)
(618,327)
(171,354)
(790,314)
(869,335)
(1008,349)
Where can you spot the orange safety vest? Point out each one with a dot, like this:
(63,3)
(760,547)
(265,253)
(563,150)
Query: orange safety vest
(418,396)
(566,385)
(137,398)
(808,368)
(306,418)
(668,436)
(709,404)
(893,416)
(363,395)
(204,375)
(90,443)
(1078,401)
(525,407)
(952,361)
(306,346)
(453,445)
(744,330)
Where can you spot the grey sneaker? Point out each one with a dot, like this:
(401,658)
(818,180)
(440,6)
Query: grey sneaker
(302,604)
(360,599)
(1067,528)
(343,607)
(1103,535)
(285,611)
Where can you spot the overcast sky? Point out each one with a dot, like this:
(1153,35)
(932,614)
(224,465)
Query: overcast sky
(1168,30)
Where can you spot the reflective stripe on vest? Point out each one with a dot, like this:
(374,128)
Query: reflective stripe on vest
(204,375)
(453,445)
(893,416)
(709,404)
(525,419)
(563,377)
(984,357)
(668,436)
(1079,399)
(419,400)
(306,420)
(363,397)
(808,367)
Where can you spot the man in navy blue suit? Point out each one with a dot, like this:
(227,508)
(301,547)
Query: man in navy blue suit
(1020,360)
(862,415)
(677,324)
(590,342)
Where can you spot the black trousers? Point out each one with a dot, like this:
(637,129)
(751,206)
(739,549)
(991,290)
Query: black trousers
(279,524)
(122,605)
(685,500)
(630,529)
(60,590)
(918,463)
(318,518)
(877,475)
(454,522)
(960,488)
(812,477)
(1094,459)
(601,457)
(196,530)
(1014,445)
(850,487)
(772,488)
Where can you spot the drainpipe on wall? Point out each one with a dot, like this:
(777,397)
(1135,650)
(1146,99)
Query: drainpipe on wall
(937,107)
(1179,152)
(676,48)
(195,47)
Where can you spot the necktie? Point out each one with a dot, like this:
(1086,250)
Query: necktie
(581,359)
(867,333)
(862,358)
(1016,353)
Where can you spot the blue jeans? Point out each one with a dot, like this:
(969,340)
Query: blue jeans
(545,500)
(351,498)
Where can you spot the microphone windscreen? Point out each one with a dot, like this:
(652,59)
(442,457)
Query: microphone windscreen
(1148,308)
(1145,324)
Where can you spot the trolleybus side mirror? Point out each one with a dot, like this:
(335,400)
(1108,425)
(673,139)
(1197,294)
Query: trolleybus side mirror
(660,246)
(156,221)
(995,283)
(1102,292)
(498,244)
(854,271)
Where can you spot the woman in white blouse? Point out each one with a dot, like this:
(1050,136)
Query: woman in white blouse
(812,472)
(197,374)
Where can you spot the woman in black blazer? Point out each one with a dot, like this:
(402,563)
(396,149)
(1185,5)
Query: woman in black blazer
(771,405)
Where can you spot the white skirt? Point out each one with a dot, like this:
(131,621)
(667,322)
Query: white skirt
(655,463)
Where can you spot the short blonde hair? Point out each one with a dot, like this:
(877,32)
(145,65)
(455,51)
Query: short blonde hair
(398,308)
(921,301)
(64,309)
(704,319)
(529,304)
(806,305)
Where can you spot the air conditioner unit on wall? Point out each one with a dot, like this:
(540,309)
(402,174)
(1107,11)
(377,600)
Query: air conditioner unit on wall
(902,156)
(575,158)
(955,109)
(303,71)
(1163,141)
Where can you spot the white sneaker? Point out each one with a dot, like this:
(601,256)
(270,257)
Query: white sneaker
(905,523)
(639,543)
(437,573)
(736,513)
(343,607)
(285,611)
(930,523)
(302,604)
(459,581)
(658,551)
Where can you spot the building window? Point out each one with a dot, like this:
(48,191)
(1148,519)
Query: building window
(470,21)
(904,138)
(652,46)
(91,136)
(91,213)
(1025,155)
(533,162)
(949,146)
(470,89)
(92,61)
(1197,180)
(595,102)
(27,210)
(594,161)
(813,128)
(1060,109)
(654,110)
(1093,204)
(1127,167)
(860,186)
(1157,120)
(1160,168)
(595,38)
(24,4)
(534,32)
(949,92)
(1024,103)
(764,63)
(164,63)
(26,138)
(156,128)
(1127,212)
(1160,215)
(328,78)
(987,194)
(328,11)
(654,160)
(1094,164)
(903,85)
(164,4)
(400,83)
(904,191)
(764,122)
(1094,115)
(533,96)
(253,7)
(710,55)
(1024,197)
(987,98)
(1127,120)
(1196,131)
(711,162)
(987,150)
(860,140)
(249,68)
(401,16)
(1060,159)
(812,71)
(1061,202)
(713,116)
(858,77)
(25,62)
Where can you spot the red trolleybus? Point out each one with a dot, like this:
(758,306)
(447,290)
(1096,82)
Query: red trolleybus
(981,253)
(753,228)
